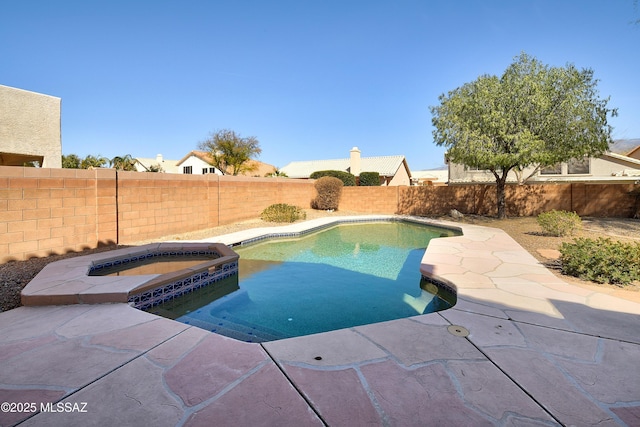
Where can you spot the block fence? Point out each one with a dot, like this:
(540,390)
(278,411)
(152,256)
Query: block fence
(54,211)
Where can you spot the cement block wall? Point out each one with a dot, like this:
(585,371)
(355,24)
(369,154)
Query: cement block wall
(54,211)
(45,211)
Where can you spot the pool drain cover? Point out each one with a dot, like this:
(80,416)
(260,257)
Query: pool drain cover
(458,331)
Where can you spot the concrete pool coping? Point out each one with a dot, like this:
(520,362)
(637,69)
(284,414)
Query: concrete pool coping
(538,352)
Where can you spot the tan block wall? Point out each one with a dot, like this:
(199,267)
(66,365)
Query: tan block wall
(151,205)
(243,198)
(381,200)
(54,211)
(522,200)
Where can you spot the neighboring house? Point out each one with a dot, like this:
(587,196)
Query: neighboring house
(148,164)
(430,177)
(29,128)
(609,167)
(393,170)
(201,163)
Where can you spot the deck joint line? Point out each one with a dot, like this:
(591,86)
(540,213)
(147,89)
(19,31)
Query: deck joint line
(296,388)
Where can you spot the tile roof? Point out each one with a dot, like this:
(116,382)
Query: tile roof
(624,146)
(384,165)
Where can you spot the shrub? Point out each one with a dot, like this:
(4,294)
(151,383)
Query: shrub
(348,180)
(329,190)
(369,179)
(601,260)
(559,223)
(281,212)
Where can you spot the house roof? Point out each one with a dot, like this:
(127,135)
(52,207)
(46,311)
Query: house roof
(624,146)
(259,169)
(202,155)
(623,157)
(384,165)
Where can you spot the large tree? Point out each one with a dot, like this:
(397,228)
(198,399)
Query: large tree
(230,152)
(533,115)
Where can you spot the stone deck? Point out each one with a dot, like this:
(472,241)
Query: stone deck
(520,347)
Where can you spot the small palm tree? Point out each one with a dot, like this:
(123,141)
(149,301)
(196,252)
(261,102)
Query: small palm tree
(276,173)
(125,163)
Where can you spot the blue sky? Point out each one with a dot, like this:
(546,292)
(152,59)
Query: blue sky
(309,78)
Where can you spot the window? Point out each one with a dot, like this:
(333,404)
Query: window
(204,171)
(552,170)
(212,170)
(187,169)
(578,166)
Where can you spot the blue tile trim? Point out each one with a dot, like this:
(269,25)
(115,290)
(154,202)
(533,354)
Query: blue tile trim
(439,284)
(449,293)
(183,286)
(341,221)
(143,256)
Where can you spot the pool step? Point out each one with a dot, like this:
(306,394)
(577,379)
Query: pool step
(232,329)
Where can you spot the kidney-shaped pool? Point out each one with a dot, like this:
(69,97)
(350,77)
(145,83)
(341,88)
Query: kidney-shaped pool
(344,276)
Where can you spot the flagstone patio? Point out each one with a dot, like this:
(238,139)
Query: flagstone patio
(520,347)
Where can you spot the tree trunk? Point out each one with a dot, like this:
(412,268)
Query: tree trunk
(500,196)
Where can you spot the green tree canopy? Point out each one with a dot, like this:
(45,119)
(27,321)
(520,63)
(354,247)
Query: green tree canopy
(71,161)
(230,152)
(348,179)
(369,179)
(533,115)
(92,161)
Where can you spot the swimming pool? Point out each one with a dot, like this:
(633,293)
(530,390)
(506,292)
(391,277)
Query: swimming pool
(343,276)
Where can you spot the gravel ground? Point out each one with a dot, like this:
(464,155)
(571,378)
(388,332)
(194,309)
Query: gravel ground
(16,274)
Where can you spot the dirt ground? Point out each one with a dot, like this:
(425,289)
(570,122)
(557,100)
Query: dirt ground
(526,231)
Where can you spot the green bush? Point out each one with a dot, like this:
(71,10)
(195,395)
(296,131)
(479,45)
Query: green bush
(601,260)
(329,190)
(281,212)
(369,179)
(348,180)
(559,223)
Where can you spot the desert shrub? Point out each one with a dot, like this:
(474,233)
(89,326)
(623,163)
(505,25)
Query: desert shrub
(348,180)
(601,260)
(559,223)
(329,190)
(281,212)
(369,179)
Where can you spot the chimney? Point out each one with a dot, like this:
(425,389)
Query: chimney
(354,161)
(159,158)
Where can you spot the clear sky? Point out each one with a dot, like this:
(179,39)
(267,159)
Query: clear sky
(309,78)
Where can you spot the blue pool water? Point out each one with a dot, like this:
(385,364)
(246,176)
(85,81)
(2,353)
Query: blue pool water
(348,275)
